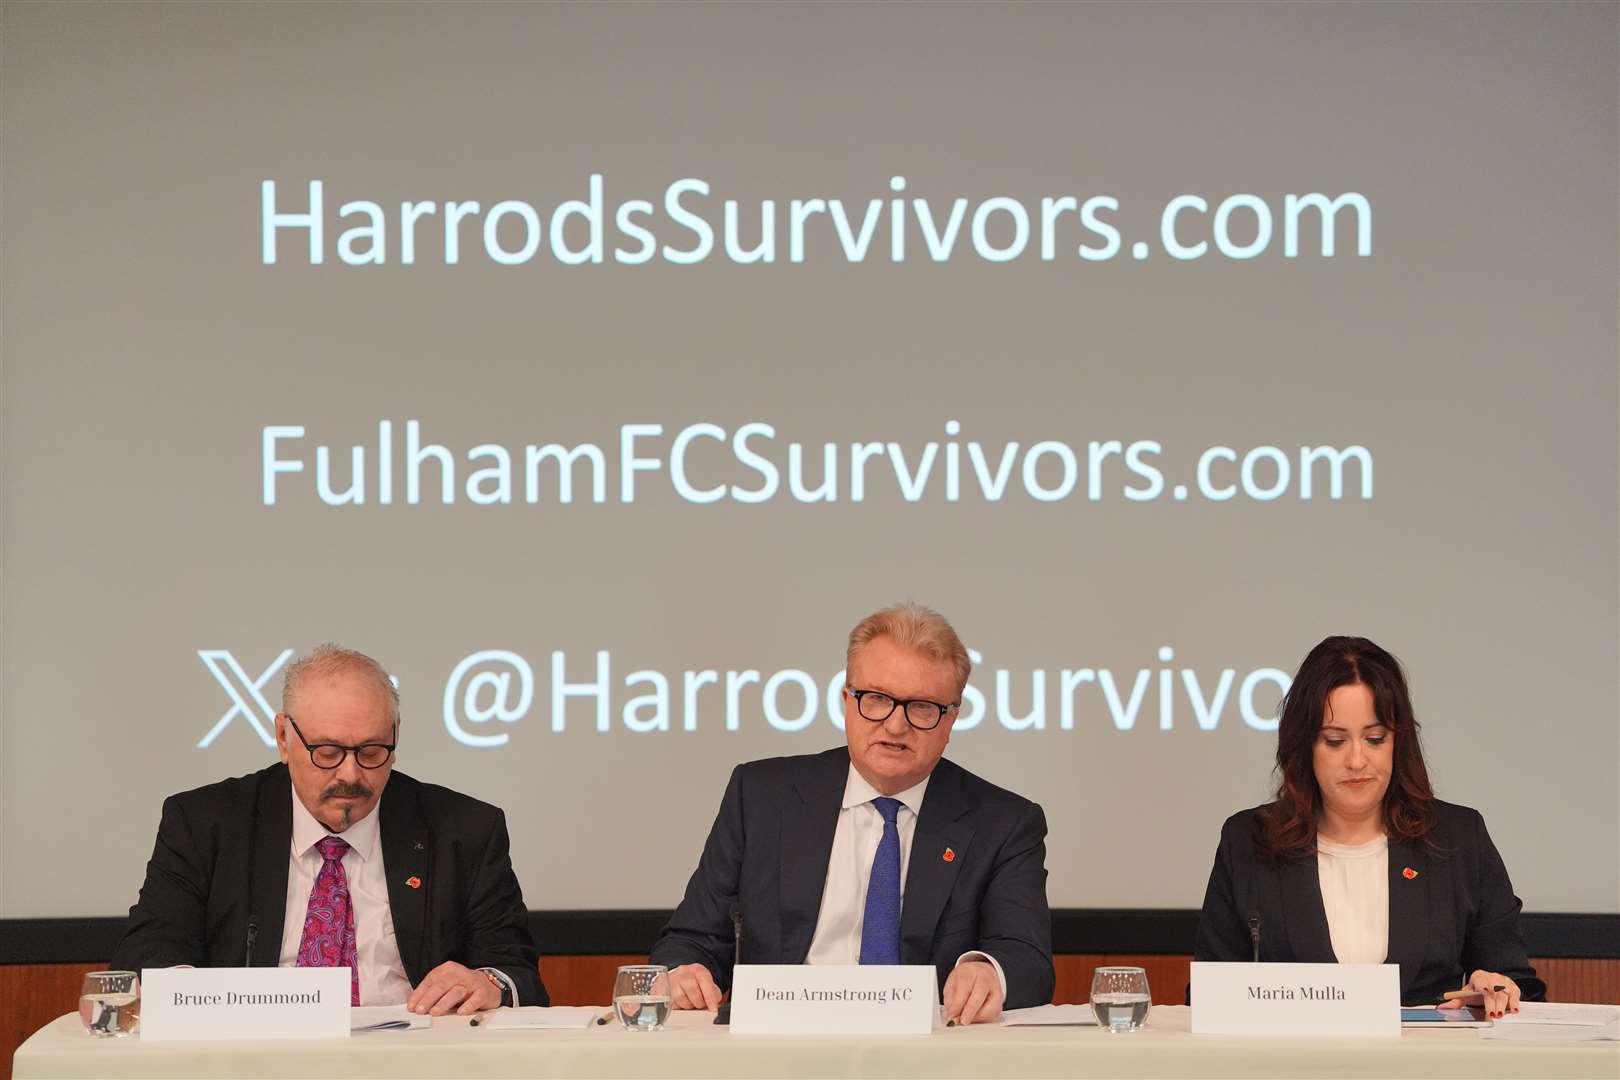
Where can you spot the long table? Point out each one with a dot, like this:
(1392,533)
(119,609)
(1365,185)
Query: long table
(693,1047)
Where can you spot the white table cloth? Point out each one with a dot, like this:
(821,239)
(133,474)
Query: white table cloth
(693,1047)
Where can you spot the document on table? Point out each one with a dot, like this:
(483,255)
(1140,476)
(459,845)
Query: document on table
(1554,1012)
(386,1018)
(1549,1021)
(1049,1016)
(537,1017)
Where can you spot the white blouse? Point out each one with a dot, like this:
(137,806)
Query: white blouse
(1355,896)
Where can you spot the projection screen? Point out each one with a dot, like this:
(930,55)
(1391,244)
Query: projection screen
(597,367)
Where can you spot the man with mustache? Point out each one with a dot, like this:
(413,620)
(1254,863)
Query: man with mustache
(307,864)
(879,852)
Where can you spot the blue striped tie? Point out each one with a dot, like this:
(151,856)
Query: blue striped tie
(880,930)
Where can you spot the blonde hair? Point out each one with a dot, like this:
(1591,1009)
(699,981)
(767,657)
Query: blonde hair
(913,626)
(328,660)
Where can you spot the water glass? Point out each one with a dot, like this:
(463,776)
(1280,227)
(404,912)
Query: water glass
(641,996)
(1120,998)
(110,1003)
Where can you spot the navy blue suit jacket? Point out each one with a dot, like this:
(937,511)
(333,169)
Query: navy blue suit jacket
(767,856)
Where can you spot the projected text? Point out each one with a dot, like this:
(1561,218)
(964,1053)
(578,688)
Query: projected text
(689,225)
(753,463)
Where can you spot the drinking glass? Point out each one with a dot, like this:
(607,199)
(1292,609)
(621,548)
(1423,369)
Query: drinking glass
(641,996)
(1120,998)
(110,1003)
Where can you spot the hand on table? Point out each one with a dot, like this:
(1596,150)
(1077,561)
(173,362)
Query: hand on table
(1498,993)
(452,986)
(972,993)
(692,987)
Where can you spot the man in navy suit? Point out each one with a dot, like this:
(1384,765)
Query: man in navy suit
(878,852)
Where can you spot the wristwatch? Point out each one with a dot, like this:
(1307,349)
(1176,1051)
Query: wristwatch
(500,984)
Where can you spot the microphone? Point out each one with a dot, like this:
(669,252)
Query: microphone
(722,1015)
(1254,933)
(252,852)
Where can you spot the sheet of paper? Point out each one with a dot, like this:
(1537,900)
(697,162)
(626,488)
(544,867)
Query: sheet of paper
(1553,1032)
(1049,1016)
(536,1017)
(1554,1012)
(1554,1021)
(386,1018)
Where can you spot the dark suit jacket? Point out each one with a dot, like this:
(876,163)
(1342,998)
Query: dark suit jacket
(221,857)
(1456,916)
(767,856)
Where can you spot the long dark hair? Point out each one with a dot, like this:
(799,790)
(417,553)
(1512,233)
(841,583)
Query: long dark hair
(1288,825)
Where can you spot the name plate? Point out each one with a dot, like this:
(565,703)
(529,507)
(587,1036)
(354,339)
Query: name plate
(1296,999)
(244,1003)
(868,999)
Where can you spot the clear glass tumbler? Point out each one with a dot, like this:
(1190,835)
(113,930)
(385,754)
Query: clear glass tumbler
(641,996)
(110,1003)
(1120,998)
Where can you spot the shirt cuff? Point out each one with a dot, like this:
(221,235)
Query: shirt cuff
(1001,976)
(511,987)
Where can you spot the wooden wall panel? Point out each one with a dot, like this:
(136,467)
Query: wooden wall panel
(582,980)
(1595,981)
(32,995)
(1167,976)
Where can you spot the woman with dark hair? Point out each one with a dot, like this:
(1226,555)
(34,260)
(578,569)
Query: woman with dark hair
(1356,861)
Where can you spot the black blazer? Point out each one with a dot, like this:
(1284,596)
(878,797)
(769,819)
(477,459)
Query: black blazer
(220,863)
(767,856)
(1455,914)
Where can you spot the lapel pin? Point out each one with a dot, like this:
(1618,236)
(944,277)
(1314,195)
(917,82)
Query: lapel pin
(418,846)
(414,882)
(1409,873)
(950,855)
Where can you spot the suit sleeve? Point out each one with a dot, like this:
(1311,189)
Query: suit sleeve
(1015,924)
(167,924)
(1223,933)
(1491,938)
(700,931)
(498,921)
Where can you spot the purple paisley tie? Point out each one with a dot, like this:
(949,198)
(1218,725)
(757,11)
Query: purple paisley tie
(329,927)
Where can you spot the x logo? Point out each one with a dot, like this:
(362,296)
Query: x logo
(247,701)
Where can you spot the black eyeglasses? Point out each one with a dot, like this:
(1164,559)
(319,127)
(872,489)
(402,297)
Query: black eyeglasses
(876,706)
(327,755)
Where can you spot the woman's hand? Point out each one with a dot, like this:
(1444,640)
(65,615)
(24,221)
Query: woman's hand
(1497,993)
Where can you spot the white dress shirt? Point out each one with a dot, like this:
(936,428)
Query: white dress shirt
(1355,898)
(382,972)
(837,939)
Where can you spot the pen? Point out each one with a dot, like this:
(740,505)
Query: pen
(1453,995)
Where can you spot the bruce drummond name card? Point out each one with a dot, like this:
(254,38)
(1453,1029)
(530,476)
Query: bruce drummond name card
(244,1003)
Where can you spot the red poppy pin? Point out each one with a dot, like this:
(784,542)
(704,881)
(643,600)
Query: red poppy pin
(416,883)
(1409,873)
(950,855)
